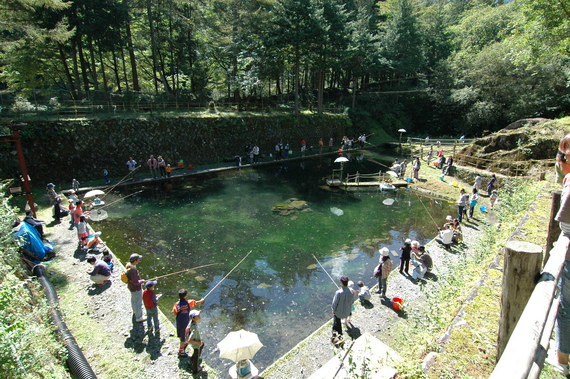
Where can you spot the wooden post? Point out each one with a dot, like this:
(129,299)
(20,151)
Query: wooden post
(553,226)
(523,262)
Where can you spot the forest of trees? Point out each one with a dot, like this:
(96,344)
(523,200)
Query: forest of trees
(460,66)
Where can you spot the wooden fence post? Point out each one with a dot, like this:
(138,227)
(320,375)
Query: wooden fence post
(553,226)
(523,262)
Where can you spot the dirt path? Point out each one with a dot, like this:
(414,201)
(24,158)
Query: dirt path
(100,319)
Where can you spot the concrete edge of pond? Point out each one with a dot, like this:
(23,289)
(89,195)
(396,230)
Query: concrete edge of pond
(214,170)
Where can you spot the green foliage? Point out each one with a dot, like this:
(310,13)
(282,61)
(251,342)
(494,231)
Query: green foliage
(28,344)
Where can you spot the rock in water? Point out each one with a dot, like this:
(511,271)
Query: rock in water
(337,211)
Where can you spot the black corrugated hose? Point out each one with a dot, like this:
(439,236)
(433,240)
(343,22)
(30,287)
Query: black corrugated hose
(78,365)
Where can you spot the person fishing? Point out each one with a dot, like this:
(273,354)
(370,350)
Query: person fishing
(341,305)
(385,268)
(182,310)
(405,256)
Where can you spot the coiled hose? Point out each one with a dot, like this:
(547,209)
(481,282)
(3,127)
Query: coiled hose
(78,365)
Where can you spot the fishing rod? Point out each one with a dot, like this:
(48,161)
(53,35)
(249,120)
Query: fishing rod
(109,189)
(427,211)
(381,164)
(188,269)
(122,198)
(224,278)
(325,271)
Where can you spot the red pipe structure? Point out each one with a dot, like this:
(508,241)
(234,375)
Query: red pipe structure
(15,138)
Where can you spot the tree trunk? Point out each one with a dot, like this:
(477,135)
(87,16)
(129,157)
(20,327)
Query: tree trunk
(76,67)
(278,86)
(297,79)
(66,71)
(116,70)
(321,84)
(152,44)
(124,64)
(93,66)
(354,88)
(136,86)
(83,67)
(103,74)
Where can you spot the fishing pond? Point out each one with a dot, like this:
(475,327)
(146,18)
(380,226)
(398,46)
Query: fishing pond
(280,291)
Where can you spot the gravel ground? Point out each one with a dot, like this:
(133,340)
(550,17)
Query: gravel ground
(119,347)
(379,319)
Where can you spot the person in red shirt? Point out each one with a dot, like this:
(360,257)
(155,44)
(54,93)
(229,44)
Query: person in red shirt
(150,300)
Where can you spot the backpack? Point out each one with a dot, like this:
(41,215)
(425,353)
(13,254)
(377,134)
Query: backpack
(124,277)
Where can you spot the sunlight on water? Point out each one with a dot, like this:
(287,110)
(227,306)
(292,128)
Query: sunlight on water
(279,292)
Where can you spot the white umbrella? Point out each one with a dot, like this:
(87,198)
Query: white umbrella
(239,345)
(93,193)
(341,160)
(392,173)
(401,130)
(388,202)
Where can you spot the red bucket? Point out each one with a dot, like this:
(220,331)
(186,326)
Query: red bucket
(397,304)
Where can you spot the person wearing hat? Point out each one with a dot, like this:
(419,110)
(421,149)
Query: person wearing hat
(101,272)
(182,310)
(37,224)
(93,240)
(150,300)
(385,270)
(55,200)
(342,304)
(195,340)
(135,287)
(405,257)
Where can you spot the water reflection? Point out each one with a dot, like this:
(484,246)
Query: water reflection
(278,292)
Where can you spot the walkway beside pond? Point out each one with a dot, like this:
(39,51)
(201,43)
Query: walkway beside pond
(100,319)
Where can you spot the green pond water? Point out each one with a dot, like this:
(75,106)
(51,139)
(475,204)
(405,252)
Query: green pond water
(279,291)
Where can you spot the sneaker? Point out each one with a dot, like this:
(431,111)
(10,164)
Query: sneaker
(140,319)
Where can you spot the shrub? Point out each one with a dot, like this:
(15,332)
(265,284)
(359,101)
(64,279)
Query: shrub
(28,344)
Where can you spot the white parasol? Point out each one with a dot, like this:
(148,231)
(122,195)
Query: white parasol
(239,345)
(93,193)
(341,160)
(392,173)
(388,202)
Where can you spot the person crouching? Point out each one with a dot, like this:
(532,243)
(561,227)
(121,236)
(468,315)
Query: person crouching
(101,273)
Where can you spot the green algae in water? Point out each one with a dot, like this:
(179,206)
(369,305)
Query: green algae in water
(278,292)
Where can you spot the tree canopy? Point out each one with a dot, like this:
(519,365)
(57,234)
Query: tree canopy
(450,67)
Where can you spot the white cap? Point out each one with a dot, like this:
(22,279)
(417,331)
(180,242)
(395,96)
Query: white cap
(408,240)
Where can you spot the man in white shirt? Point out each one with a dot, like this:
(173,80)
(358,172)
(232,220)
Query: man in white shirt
(445,236)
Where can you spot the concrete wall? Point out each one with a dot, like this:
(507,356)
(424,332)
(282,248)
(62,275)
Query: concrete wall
(62,150)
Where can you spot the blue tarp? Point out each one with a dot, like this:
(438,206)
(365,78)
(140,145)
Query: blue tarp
(32,242)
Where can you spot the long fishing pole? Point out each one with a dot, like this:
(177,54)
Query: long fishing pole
(116,201)
(381,164)
(228,274)
(326,271)
(427,211)
(188,269)
(109,189)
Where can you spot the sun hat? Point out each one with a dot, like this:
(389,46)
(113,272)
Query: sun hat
(385,251)
(134,257)
(449,218)
(50,185)
(408,240)
(194,313)
(96,234)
